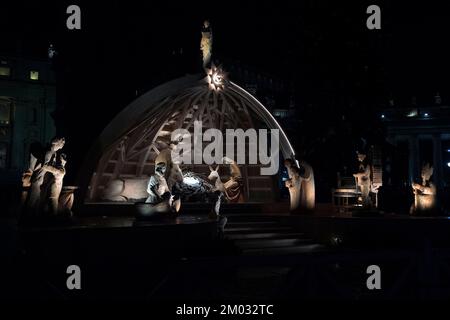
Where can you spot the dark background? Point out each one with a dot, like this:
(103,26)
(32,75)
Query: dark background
(341,73)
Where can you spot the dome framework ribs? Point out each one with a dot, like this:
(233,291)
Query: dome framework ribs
(133,153)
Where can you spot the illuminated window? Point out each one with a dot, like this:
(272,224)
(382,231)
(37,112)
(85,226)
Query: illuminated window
(5,71)
(34,75)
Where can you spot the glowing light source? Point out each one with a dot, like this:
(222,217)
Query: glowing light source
(382,116)
(5,71)
(34,75)
(448,164)
(412,113)
(216,78)
(425,114)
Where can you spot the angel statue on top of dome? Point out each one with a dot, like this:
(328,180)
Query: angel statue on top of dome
(206,43)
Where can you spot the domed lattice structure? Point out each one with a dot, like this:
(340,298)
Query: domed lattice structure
(129,145)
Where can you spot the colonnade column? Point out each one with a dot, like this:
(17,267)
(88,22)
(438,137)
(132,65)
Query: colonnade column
(437,161)
(414,171)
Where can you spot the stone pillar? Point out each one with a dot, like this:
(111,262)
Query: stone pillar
(437,161)
(414,170)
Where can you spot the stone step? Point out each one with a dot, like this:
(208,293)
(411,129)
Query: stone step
(271,243)
(267,235)
(236,224)
(254,216)
(298,249)
(257,229)
(262,235)
(256,221)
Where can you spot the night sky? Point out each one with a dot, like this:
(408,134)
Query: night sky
(336,65)
(310,41)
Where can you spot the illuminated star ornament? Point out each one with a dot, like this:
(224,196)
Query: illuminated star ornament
(216,78)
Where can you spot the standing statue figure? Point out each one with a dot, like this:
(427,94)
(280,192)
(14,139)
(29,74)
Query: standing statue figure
(301,186)
(173,174)
(234,187)
(38,169)
(206,43)
(160,196)
(214,214)
(363,181)
(424,193)
(232,191)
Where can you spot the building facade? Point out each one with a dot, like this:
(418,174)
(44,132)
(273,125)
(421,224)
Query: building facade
(27,99)
(423,135)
